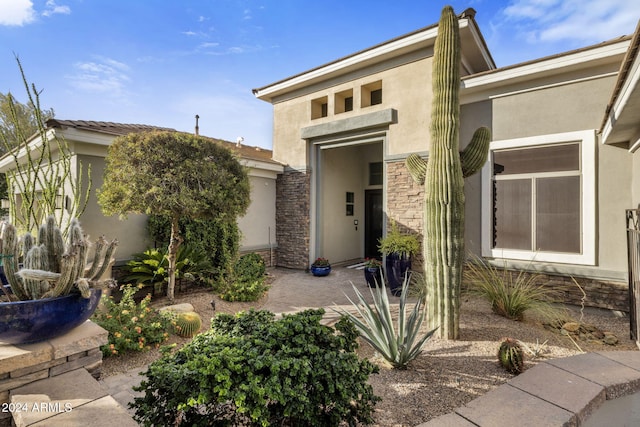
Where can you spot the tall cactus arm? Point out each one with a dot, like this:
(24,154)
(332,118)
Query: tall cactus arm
(106,260)
(11,252)
(417,167)
(475,155)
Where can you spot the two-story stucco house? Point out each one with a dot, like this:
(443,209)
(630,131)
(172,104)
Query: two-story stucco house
(552,196)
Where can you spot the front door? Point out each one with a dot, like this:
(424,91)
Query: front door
(372,222)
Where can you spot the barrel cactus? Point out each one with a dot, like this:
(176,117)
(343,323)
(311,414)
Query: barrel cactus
(51,267)
(187,324)
(511,356)
(442,175)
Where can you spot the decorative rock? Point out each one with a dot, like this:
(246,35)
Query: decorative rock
(610,339)
(571,326)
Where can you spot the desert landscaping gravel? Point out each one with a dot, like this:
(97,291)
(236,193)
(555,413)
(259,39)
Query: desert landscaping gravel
(447,374)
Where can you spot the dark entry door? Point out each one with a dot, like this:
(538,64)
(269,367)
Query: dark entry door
(372,222)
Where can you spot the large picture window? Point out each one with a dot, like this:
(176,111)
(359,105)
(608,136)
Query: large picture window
(539,199)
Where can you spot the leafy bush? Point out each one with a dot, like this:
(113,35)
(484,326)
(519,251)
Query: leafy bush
(151,266)
(250,369)
(510,294)
(249,267)
(376,326)
(218,239)
(246,283)
(131,326)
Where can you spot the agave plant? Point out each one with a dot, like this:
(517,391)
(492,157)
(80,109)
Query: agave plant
(398,342)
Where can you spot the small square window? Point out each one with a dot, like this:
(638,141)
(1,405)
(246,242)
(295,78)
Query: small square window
(343,101)
(320,107)
(371,94)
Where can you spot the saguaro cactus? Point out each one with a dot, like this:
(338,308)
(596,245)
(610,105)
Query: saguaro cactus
(443,177)
(52,268)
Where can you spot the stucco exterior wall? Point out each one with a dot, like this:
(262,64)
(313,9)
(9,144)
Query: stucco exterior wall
(258,225)
(406,88)
(131,232)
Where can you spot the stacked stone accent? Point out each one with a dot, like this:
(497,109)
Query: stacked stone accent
(293,218)
(25,364)
(405,205)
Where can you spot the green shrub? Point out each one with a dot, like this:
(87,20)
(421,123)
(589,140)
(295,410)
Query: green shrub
(218,239)
(510,293)
(253,370)
(246,283)
(131,326)
(399,344)
(249,267)
(151,266)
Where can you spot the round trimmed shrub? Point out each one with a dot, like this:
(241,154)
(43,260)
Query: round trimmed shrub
(250,369)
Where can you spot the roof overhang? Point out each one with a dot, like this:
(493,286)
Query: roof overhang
(621,124)
(475,57)
(497,82)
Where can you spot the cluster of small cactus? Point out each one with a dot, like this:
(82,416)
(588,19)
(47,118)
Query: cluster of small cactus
(187,324)
(511,356)
(51,267)
(443,178)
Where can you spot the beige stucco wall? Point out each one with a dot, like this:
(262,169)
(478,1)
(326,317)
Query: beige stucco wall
(131,232)
(406,88)
(635,181)
(258,225)
(574,107)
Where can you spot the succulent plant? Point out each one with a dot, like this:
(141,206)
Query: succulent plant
(187,324)
(443,178)
(53,268)
(511,356)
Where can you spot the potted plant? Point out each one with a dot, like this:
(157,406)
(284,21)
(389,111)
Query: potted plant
(372,270)
(397,248)
(321,267)
(55,290)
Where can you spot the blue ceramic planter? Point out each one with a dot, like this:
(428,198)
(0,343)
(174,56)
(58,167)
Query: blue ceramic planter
(32,321)
(372,276)
(396,266)
(321,271)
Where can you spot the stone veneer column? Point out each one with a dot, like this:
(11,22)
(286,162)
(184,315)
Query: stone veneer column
(405,202)
(293,193)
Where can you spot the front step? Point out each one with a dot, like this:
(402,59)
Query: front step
(74,398)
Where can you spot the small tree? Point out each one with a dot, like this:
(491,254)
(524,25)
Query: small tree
(175,174)
(43,174)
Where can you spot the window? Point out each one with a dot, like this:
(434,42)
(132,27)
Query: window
(371,94)
(350,202)
(319,107)
(344,101)
(375,173)
(539,199)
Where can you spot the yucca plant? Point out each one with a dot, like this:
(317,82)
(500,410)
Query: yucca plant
(398,342)
(510,293)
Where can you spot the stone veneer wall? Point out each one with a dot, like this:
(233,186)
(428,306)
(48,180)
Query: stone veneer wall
(405,201)
(293,189)
(27,363)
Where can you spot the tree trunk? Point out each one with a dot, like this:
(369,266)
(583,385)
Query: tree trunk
(172,255)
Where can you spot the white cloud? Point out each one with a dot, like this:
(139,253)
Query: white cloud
(102,75)
(584,21)
(16,12)
(52,9)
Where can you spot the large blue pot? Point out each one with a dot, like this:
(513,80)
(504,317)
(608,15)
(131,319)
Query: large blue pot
(320,271)
(32,321)
(397,266)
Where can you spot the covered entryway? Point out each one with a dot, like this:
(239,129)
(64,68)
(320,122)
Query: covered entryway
(348,199)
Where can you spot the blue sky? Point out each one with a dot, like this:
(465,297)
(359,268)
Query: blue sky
(163,62)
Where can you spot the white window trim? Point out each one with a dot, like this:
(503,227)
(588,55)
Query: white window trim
(587,139)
